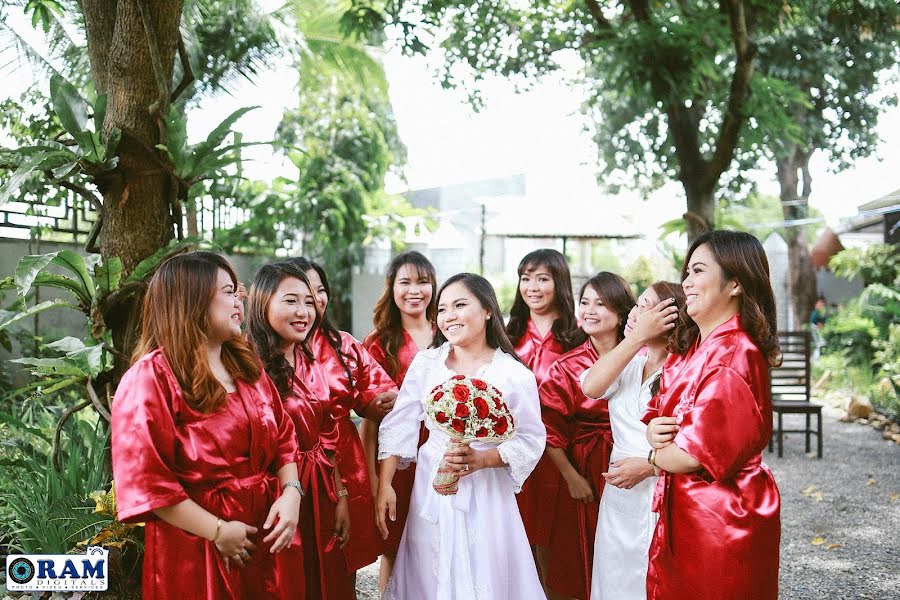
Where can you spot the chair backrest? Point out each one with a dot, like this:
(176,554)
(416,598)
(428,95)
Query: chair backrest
(790,382)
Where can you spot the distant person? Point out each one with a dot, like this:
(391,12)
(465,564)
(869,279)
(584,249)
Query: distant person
(819,314)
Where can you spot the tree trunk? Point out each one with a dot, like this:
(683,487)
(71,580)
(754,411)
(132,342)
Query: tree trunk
(701,209)
(138,195)
(794,206)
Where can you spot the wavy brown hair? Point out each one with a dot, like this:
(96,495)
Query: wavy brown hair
(266,341)
(176,319)
(386,317)
(564,301)
(483,291)
(742,258)
(615,294)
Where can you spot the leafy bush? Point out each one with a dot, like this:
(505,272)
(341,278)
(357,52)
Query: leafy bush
(46,508)
(851,335)
(879,263)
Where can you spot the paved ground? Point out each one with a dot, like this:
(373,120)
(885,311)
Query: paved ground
(840,517)
(851,500)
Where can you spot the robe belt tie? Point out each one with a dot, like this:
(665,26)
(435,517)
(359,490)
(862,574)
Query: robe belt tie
(662,497)
(314,463)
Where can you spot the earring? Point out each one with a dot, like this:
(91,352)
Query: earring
(487,318)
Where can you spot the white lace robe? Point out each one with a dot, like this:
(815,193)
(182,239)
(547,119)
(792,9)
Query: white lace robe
(471,545)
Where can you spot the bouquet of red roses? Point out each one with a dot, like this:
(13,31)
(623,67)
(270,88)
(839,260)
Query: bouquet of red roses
(467,409)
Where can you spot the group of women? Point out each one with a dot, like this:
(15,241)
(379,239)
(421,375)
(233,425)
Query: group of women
(634,471)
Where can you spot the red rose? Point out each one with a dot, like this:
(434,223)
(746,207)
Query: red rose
(458,377)
(479,384)
(497,392)
(442,417)
(481,408)
(436,388)
(500,426)
(438,396)
(497,404)
(459,425)
(462,410)
(461,393)
(482,432)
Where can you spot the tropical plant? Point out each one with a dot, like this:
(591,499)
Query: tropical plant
(48,505)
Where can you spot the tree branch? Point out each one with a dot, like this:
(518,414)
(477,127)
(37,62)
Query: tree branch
(733,121)
(159,71)
(597,14)
(57,433)
(187,77)
(641,10)
(95,400)
(82,191)
(807,178)
(90,245)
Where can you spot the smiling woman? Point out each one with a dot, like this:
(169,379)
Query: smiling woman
(404,319)
(197,435)
(451,543)
(282,316)
(718,503)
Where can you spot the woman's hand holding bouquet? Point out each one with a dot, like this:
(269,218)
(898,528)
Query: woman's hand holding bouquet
(468,410)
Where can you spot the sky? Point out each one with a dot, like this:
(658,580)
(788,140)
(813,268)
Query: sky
(538,133)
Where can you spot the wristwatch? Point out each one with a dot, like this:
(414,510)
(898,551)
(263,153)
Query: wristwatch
(343,493)
(294,484)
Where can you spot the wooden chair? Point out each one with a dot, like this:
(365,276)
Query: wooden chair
(790,390)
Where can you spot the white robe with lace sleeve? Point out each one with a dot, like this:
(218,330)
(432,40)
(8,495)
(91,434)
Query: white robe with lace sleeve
(471,545)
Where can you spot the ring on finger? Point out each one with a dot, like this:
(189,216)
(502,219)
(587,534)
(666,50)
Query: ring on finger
(465,466)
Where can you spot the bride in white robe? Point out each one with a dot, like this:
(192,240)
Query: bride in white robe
(472,545)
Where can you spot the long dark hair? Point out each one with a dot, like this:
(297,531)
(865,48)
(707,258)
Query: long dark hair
(331,333)
(615,294)
(176,320)
(265,340)
(564,302)
(741,257)
(483,291)
(387,319)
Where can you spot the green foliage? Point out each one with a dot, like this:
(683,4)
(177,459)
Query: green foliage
(227,41)
(865,335)
(641,274)
(60,162)
(349,139)
(45,510)
(852,335)
(879,263)
(834,54)
(209,158)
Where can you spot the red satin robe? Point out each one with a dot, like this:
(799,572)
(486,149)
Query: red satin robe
(165,452)
(719,528)
(323,563)
(538,353)
(369,380)
(579,425)
(403,478)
